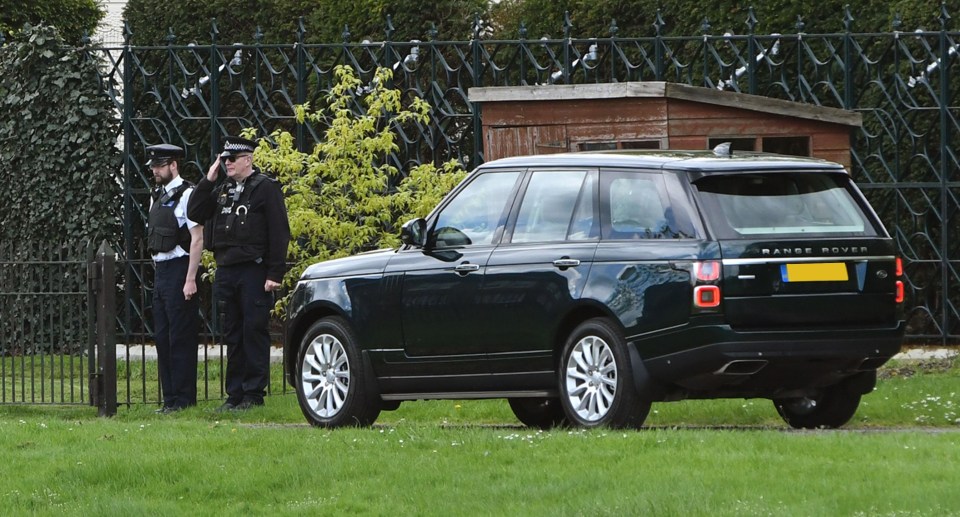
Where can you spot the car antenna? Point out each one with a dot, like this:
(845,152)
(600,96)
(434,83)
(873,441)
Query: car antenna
(724,150)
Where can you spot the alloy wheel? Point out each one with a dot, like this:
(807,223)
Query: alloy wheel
(325,377)
(591,378)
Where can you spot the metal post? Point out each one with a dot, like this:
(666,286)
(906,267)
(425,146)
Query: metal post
(103,382)
(567,25)
(129,171)
(847,58)
(214,89)
(658,46)
(705,31)
(91,256)
(301,83)
(751,53)
(477,157)
(615,52)
(944,101)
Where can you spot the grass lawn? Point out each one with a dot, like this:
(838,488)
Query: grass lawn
(900,456)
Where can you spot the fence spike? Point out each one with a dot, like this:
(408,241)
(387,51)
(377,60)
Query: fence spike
(658,23)
(847,18)
(613,28)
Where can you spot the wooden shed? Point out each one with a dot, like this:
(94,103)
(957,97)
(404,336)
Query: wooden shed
(655,115)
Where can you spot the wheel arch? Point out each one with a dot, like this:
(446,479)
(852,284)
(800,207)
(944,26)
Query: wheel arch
(645,385)
(297,328)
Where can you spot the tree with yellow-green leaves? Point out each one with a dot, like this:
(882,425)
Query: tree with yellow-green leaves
(341,198)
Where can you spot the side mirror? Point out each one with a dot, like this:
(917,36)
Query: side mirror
(414,232)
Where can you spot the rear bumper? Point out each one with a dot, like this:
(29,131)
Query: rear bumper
(717,361)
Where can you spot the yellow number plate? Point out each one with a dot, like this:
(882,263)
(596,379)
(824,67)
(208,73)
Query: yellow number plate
(825,272)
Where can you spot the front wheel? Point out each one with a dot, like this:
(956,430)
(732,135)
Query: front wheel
(596,381)
(833,407)
(332,387)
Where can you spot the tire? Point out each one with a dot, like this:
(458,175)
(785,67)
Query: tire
(832,408)
(596,381)
(332,385)
(544,413)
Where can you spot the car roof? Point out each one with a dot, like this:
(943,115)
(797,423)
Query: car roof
(691,161)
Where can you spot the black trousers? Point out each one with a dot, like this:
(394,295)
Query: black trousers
(175,327)
(246,329)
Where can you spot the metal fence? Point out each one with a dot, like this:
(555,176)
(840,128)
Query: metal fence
(46,332)
(903,82)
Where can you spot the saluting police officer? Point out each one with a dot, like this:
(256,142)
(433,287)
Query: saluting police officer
(247,229)
(175,242)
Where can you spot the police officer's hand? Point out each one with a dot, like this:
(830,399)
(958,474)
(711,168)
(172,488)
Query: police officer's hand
(189,288)
(270,285)
(214,170)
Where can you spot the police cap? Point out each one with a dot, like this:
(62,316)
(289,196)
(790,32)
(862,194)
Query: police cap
(234,145)
(162,154)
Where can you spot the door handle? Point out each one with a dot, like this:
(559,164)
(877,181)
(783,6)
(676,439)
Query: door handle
(466,267)
(566,262)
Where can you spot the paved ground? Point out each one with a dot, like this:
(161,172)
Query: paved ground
(212,352)
(276,354)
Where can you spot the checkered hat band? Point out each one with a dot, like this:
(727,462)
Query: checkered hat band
(236,146)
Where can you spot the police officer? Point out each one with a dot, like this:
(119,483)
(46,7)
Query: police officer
(175,242)
(247,229)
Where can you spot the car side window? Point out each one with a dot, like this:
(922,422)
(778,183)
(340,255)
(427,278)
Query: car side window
(637,207)
(477,212)
(553,208)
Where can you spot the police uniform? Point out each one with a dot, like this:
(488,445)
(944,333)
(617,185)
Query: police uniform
(247,229)
(175,318)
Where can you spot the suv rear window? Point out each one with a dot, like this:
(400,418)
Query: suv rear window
(783,204)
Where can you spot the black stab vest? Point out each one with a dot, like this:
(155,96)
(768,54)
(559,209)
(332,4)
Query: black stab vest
(164,234)
(235,224)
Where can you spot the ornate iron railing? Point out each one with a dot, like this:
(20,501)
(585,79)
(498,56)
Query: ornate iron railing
(903,83)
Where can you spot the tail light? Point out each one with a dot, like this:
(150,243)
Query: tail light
(706,294)
(898,285)
(706,271)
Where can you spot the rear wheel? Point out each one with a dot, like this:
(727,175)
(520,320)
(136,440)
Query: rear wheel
(833,407)
(545,412)
(596,381)
(331,381)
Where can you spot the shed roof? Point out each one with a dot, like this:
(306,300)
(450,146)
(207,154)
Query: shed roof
(659,89)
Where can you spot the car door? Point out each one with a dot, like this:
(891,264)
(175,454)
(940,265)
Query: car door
(641,268)
(441,282)
(534,277)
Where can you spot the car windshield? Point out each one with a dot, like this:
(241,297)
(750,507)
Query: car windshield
(803,204)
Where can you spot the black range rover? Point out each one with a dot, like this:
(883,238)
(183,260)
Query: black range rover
(583,287)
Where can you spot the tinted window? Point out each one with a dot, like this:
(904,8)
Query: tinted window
(553,208)
(476,213)
(782,204)
(636,207)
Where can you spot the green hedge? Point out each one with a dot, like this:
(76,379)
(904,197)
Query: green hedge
(74,18)
(58,157)
(59,167)
(151,21)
